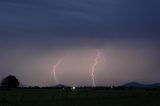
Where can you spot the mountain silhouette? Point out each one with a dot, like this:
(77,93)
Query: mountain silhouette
(61,86)
(140,85)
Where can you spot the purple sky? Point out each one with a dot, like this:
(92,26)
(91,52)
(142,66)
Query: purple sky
(34,34)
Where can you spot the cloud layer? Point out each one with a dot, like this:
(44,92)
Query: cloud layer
(34,34)
(83,17)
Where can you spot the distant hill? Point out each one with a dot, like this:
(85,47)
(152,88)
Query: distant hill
(58,86)
(140,85)
(61,86)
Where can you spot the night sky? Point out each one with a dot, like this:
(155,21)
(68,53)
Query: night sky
(35,34)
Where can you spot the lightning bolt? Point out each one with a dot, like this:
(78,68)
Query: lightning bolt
(55,67)
(94,66)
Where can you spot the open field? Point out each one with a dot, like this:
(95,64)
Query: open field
(53,97)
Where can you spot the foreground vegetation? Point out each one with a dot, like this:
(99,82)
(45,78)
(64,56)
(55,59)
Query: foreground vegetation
(81,97)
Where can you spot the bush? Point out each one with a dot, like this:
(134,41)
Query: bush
(10,82)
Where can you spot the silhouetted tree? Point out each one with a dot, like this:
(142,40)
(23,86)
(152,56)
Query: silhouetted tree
(10,82)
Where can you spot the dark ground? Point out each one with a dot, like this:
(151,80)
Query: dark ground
(53,97)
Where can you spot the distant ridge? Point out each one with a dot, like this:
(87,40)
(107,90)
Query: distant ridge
(61,86)
(130,84)
(140,85)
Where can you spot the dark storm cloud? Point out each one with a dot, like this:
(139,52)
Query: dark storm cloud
(83,17)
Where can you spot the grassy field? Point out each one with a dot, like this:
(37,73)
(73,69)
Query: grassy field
(52,97)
